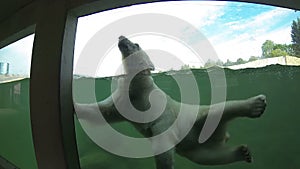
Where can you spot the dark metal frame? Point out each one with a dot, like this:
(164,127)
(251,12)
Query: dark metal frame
(5,164)
(51,105)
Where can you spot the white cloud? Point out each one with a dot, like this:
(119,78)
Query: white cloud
(239,39)
(196,13)
(279,36)
(244,38)
(160,50)
(247,45)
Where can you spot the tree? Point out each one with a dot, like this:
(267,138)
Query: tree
(285,48)
(277,53)
(184,67)
(219,63)
(228,63)
(209,63)
(252,58)
(240,61)
(267,48)
(295,34)
(290,50)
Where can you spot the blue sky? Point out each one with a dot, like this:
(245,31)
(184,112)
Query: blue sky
(239,18)
(246,25)
(235,30)
(239,29)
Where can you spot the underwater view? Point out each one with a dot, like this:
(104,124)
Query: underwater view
(273,138)
(16,143)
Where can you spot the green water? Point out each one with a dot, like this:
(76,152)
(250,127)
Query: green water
(16,143)
(274,138)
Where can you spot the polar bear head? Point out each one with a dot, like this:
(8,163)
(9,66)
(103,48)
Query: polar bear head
(135,60)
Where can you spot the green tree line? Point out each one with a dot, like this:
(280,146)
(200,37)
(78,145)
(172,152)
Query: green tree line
(269,50)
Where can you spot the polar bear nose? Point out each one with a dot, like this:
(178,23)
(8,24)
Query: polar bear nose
(122,37)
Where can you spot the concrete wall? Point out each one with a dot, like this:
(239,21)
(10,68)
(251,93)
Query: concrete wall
(282,60)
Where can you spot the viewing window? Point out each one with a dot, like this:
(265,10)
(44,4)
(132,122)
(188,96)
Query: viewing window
(252,43)
(16,144)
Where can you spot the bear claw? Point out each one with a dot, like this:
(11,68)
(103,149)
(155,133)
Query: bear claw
(257,105)
(245,152)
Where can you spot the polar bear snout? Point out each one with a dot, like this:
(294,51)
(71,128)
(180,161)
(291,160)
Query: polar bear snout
(122,37)
(127,47)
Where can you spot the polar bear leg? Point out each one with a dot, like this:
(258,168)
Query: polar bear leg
(218,155)
(252,107)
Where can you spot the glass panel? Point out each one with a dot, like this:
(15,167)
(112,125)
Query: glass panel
(209,36)
(16,144)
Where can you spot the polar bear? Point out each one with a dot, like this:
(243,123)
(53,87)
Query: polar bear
(214,151)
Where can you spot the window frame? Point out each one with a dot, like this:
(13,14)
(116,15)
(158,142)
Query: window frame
(51,102)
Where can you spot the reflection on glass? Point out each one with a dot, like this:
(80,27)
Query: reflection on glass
(243,35)
(16,145)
